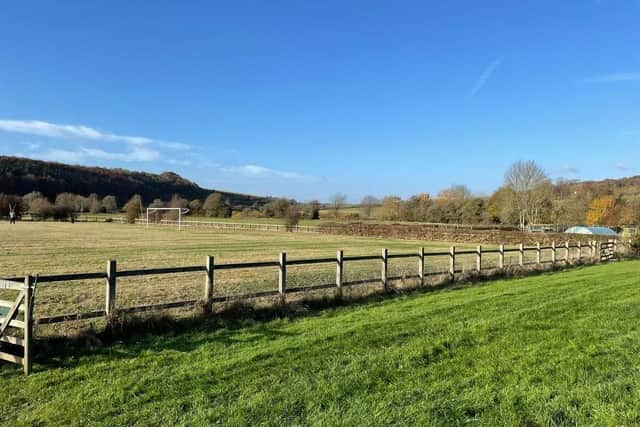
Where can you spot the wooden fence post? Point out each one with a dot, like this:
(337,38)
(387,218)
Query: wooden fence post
(538,254)
(110,303)
(567,253)
(282,277)
(28,324)
(209,284)
(553,253)
(579,250)
(339,271)
(479,258)
(521,255)
(384,268)
(501,257)
(452,262)
(421,266)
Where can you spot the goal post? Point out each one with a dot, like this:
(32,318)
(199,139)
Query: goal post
(181,211)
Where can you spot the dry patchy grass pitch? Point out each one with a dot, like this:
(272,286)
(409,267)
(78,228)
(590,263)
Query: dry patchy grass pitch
(50,248)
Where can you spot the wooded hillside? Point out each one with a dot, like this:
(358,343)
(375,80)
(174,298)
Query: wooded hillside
(21,176)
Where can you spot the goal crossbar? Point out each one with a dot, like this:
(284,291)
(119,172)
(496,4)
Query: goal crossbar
(181,211)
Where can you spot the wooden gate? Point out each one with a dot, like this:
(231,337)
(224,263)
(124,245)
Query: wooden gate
(607,251)
(16,323)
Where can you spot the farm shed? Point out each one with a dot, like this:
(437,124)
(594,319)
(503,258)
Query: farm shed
(600,231)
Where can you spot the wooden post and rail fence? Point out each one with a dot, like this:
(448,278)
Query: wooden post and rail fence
(25,287)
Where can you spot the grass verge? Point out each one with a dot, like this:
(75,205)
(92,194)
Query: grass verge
(555,349)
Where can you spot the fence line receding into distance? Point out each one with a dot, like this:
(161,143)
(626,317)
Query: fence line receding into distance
(592,251)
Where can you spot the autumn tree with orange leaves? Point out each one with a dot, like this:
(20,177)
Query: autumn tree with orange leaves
(603,210)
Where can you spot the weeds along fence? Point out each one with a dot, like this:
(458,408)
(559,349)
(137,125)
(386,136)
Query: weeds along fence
(17,319)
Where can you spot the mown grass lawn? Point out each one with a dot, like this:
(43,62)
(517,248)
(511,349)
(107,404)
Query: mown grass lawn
(557,349)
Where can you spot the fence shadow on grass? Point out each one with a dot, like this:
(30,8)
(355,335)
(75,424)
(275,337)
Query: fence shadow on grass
(128,336)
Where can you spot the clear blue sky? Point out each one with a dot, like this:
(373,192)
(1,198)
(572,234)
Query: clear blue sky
(309,98)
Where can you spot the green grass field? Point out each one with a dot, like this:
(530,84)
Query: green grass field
(556,349)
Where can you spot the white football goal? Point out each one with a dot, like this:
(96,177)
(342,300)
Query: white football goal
(181,211)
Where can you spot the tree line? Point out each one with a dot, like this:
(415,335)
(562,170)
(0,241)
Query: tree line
(527,197)
(215,205)
(65,205)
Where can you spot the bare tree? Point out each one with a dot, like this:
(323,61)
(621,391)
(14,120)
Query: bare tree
(32,197)
(213,205)
(528,187)
(110,203)
(337,202)
(93,203)
(367,205)
(277,208)
(176,202)
(292,217)
(313,208)
(195,206)
(390,208)
(455,192)
(133,209)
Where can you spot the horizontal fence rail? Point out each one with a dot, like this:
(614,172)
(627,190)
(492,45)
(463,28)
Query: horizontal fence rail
(118,218)
(593,250)
(558,254)
(237,226)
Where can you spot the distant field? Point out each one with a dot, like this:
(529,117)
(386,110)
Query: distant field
(59,247)
(559,349)
(216,219)
(326,218)
(56,247)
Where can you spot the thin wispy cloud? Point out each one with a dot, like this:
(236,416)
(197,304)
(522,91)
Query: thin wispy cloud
(137,154)
(81,138)
(484,77)
(84,155)
(52,130)
(81,132)
(174,145)
(261,172)
(178,162)
(57,155)
(614,78)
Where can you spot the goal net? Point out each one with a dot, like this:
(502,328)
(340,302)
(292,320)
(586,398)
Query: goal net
(180,212)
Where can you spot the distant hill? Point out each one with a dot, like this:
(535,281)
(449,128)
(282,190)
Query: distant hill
(627,188)
(21,176)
